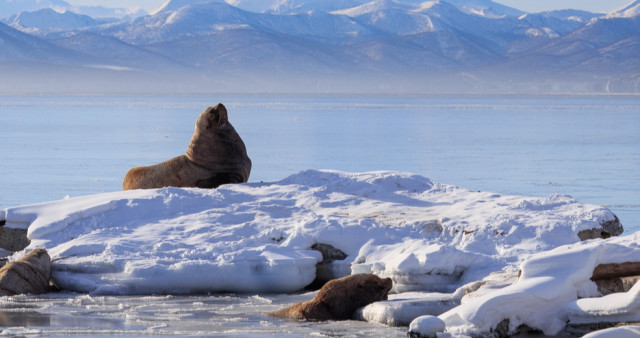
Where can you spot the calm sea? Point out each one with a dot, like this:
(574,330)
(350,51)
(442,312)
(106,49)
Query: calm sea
(584,146)
(57,146)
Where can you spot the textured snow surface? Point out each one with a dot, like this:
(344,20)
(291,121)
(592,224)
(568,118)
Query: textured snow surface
(554,289)
(257,237)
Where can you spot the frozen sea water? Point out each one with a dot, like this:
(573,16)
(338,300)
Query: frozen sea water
(66,314)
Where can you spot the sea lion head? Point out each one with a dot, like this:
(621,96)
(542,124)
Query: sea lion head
(212,118)
(216,145)
(343,296)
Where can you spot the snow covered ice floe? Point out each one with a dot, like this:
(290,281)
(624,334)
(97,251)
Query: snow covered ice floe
(554,290)
(257,237)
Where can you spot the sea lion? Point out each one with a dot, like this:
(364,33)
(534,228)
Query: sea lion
(30,274)
(216,155)
(340,298)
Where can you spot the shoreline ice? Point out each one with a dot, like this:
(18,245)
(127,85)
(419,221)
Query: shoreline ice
(257,237)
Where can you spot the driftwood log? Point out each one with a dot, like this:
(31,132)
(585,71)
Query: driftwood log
(616,277)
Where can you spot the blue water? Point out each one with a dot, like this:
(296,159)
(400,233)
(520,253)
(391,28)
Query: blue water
(584,146)
(54,146)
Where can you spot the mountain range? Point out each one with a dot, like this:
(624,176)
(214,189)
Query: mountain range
(407,46)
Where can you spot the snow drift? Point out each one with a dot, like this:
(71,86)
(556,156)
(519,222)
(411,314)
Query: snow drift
(257,237)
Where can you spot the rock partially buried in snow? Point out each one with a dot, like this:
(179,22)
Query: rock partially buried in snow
(339,298)
(31,274)
(426,327)
(605,230)
(332,265)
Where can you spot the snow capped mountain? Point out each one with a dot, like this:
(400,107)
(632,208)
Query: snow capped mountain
(568,15)
(256,6)
(12,7)
(390,17)
(112,52)
(100,12)
(172,5)
(48,19)
(15,7)
(630,11)
(19,46)
(206,18)
(303,6)
(485,8)
(473,41)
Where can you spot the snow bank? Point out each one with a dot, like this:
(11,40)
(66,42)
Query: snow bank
(616,332)
(546,295)
(256,237)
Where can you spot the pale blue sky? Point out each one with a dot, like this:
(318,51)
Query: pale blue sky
(604,6)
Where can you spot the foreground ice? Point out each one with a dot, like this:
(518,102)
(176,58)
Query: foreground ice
(221,315)
(257,237)
(554,289)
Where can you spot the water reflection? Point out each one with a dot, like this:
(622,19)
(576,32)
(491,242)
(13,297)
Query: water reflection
(205,315)
(24,319)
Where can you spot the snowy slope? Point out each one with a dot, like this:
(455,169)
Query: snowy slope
(257,237)
(632,10)
(201,19)
(47,19)
(17,45)
(391,17)
(603,46)
(553,290)
(474,39)
(8,8)
(303,6)
(485,8)
(109,51)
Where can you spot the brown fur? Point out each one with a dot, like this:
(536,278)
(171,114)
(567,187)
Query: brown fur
(340,298)
(216,155)
(27,275)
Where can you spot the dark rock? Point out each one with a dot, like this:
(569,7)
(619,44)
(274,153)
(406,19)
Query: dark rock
(502,330)
(325,270)
(608,229)
(340,298)
(31,274)
(613,227)
(329,252)
(617,284)
(13,239)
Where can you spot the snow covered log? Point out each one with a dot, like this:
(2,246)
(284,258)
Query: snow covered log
(554,290)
